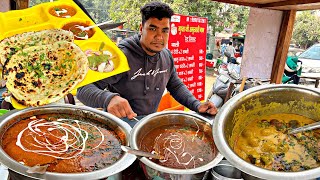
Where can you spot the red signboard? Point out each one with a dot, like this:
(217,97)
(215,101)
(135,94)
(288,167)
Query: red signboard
(187,43)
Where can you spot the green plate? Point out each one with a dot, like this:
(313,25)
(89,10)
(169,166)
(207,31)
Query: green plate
(3,111)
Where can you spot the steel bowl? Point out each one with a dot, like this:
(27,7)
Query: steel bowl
(225,170)
(158,119)
(83,113)
(263,100)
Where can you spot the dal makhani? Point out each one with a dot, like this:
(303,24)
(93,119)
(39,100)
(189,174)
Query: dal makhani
(183,147)
(64,145)
(264,142)
(77,32)
(62,11)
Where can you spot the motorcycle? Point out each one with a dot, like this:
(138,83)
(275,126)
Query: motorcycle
(228,73)
(228,84)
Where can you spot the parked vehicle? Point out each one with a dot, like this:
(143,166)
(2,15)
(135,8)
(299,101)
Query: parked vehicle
(210,61)
(311,61)
(293,51)
(227,73)
(292,70)
(228,84)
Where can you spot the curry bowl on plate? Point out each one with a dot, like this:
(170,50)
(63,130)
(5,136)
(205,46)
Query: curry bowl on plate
(69,142)
(62,11)
(74,25)
(101,56)
(251,131)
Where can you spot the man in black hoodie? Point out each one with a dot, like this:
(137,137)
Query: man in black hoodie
(139,90)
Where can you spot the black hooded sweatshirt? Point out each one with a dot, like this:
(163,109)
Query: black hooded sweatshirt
(143,85)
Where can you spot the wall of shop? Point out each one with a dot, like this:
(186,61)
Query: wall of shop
(261,42)
(4,5)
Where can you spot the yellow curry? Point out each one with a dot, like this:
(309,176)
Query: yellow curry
(265,143)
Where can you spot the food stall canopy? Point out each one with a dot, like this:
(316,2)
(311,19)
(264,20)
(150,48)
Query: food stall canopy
(268,4)
(282,5)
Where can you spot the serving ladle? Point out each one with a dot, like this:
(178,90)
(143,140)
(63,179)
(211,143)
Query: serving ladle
(82,28)
(41,169)
(305,128)
(141,153)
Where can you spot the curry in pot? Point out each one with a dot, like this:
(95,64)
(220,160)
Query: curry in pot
(264,142)
(183,147)
(64,145)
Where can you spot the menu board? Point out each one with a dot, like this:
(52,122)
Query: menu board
(187,43)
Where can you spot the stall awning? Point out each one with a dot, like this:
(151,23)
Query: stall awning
(277,4)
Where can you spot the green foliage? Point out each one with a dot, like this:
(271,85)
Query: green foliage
(220,15)
(306,29)
(241,19)
(35,2)
(98,9)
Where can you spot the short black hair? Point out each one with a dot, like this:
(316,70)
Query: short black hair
(230,43)
(158,10)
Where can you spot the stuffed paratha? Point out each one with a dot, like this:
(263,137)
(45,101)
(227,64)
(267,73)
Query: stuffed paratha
(9,46)
(43,74)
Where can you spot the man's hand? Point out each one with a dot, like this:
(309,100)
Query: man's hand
(207,107)
(120,107)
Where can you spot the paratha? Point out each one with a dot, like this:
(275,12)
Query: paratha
(9,46)
(43,74)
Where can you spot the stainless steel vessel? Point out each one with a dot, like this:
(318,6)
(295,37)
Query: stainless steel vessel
(84,113)
(225,170)
(155,120)
(264,100)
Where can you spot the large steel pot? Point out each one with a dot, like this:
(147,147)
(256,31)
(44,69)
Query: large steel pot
(263,100)
(155,120)
(82,112)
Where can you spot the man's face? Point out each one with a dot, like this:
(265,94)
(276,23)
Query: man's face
(154,35)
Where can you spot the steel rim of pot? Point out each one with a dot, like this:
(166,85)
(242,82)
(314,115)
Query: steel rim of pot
(149,163)
(227,152)
(218,176)
(124,162)
(224,163)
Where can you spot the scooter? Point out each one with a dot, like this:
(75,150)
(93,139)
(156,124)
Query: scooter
(228,73)
(228,84)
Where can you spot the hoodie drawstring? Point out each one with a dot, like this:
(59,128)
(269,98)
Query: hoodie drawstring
(145,77)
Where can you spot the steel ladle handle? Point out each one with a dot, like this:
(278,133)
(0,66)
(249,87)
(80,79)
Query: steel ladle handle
(305,128)
(100,24)
(140,153)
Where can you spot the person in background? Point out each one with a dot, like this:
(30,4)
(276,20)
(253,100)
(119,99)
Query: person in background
(230,49)
(241,49)
(218,46)
(223,49)
(292,70)
(139,90)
